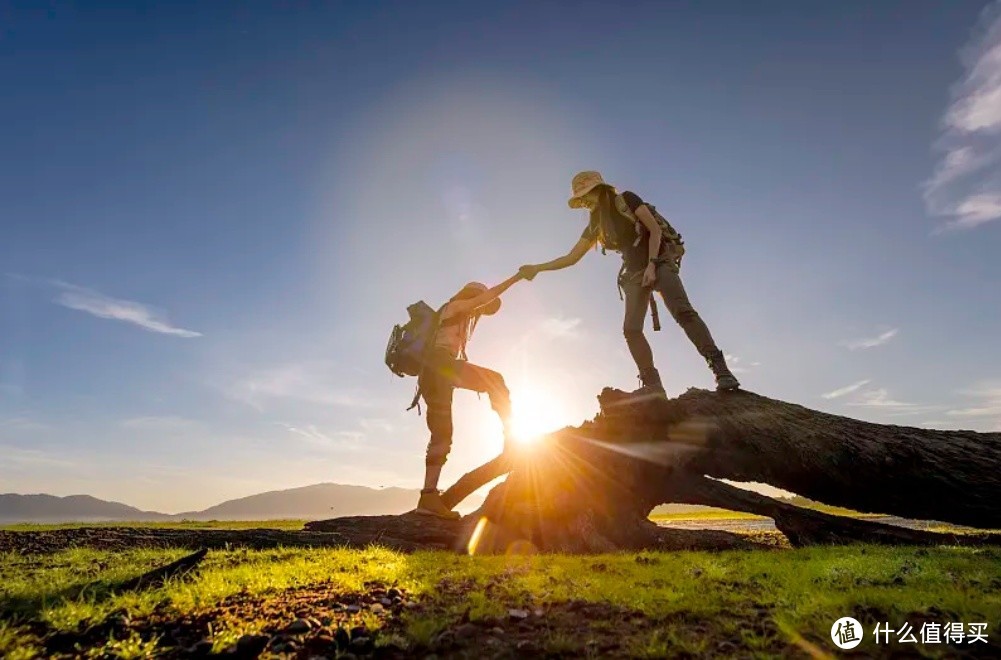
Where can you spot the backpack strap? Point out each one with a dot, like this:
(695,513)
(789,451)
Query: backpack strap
(416,402)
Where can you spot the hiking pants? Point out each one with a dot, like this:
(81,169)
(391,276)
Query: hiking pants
(440,379)
(668,284)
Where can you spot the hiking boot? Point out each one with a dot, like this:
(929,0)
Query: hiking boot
(725,380)
(431,504)
(651,385)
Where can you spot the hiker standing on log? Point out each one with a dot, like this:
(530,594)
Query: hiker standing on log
(651,259)
(445,369)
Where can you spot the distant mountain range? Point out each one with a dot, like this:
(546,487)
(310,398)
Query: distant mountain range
(75,508)
(308,502)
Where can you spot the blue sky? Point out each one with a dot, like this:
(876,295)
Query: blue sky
(211,214)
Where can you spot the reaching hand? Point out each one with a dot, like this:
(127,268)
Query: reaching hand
(528,272)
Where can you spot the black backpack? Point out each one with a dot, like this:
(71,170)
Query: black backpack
(611,240)
(410,343)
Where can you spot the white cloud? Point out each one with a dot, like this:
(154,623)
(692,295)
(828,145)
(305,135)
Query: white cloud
(737,364)
(339,440)
(880,399)
(310,383)
(561,327)
(382,425)
(847,389)
(127,311)
(986,403)
(871,342)
(965,187)
(21,458)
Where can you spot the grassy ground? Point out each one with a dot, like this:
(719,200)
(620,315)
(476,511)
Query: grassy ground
(746,604)
(181,524)
(708,514)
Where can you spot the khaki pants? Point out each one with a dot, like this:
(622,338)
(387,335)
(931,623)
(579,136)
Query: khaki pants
(668,284)
(438,383)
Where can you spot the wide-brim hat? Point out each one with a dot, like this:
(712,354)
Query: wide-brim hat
(583,183)
(474,289)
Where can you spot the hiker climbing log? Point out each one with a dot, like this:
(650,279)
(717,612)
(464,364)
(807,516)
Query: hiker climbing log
(651,261)
(593,487)
(432,346)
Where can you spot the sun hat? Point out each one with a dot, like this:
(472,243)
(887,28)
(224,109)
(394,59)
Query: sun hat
(473,289)
(583,183)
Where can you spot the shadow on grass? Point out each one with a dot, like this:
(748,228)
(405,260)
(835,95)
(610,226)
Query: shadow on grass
(13,607)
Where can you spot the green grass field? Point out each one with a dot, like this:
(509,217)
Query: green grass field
(746,603)
(182,524)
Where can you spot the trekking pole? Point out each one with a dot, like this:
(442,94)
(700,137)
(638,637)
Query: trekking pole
(654,313)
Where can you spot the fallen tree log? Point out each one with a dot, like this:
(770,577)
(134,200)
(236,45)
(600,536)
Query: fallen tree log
(949,476)
(592,488)
(474,533)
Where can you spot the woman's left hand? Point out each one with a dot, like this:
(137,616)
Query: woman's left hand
(649,275)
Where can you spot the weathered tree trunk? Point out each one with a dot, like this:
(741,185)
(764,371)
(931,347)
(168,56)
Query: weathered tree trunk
(591,489)
(952,476)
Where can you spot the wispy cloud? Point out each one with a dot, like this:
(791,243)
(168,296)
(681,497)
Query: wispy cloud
(986,402)
(739,365)
(128,311)
(381,425)
(309,383)
(19,457)
(965,187)
(871,342)
(340,440)
(561,327)
(880,399)
(847,389)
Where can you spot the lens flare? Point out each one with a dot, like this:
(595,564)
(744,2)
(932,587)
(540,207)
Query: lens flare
(535,413)
(474,540)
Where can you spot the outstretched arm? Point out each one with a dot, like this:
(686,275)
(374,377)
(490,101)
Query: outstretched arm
(472,304)
(575,254)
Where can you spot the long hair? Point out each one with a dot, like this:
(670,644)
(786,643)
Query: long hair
(468,324)
(602,215)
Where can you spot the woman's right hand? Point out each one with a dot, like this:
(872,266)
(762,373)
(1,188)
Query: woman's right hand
(528,272)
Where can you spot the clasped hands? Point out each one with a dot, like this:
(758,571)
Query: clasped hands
(529,271)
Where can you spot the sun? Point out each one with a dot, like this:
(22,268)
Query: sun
(535,412)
